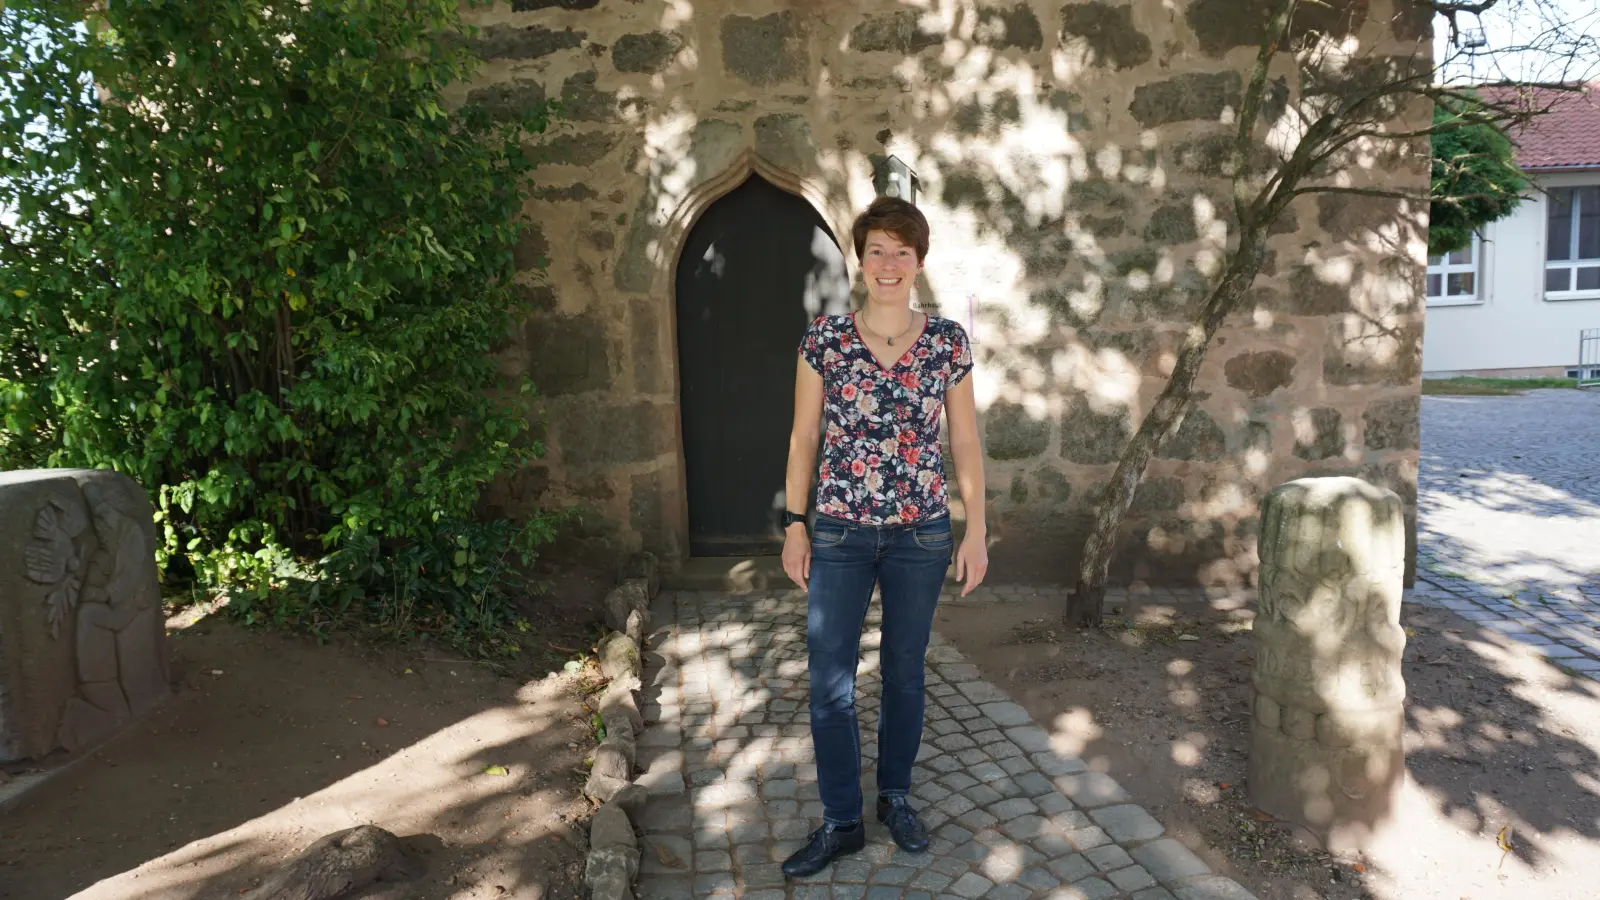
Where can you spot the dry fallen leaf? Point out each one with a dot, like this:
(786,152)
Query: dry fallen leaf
(496,770)
(1504,839)
(383,723)
(1359,867)
(668,858)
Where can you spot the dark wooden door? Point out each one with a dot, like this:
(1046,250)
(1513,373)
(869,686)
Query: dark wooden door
(756,269)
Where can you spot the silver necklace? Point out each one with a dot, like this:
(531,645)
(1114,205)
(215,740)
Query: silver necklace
(902,334)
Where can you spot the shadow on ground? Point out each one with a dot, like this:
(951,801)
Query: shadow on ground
(273,741)
(1495,737)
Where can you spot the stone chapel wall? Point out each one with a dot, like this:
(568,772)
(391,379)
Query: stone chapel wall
(1068,156)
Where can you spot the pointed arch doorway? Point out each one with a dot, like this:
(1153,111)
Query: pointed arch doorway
(755,269)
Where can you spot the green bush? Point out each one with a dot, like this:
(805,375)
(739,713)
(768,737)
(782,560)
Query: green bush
(249,260)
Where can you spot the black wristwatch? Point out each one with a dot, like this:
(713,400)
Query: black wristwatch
(789,518)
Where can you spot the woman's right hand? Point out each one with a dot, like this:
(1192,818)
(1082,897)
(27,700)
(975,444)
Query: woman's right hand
(797,554)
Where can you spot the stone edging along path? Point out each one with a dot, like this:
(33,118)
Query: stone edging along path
(732,787)
(613,860)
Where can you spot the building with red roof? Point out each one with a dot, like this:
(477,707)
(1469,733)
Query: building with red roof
(1518,300)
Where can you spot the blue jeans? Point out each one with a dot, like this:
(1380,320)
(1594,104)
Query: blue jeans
(847,559)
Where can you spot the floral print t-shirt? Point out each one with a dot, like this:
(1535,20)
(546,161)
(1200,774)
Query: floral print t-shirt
(881,459)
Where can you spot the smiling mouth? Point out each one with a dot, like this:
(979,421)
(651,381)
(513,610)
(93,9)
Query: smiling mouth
(889,282)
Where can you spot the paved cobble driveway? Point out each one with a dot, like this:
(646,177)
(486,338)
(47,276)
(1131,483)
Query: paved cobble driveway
(1509,536)
(733,783)
(1509,517)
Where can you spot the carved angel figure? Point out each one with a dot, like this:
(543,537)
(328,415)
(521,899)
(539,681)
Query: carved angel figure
(51,558)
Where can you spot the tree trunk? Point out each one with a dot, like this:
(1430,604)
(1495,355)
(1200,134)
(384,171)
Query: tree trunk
(1086,602)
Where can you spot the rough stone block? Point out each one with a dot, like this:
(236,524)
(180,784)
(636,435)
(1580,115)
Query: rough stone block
(900,32)
(649,53)
(1319,434)
(1108,32)
(1011,432)
(1260,373)
(82,637)
(532,42)
(1328,646)
(785,140)
(764,51)
(1016,27)
(1394,424)
(1198,438)
(619,659)
(1089,437)
(619,699)
(614,757)
(609,873)
(611,828)
(566,354)
(638,623)
(1198,95)
(605,789)
(617,609)
(647,567)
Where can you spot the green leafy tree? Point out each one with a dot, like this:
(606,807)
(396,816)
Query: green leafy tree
(1475,176)
(250,260)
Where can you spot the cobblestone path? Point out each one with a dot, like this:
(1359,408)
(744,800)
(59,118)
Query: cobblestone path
(1509,518)
(733,784)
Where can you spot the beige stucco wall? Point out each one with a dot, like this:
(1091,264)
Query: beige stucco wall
(1067,158)
(1511,326)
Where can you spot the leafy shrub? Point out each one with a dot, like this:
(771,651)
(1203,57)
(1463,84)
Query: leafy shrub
(252,262)
(1476,179)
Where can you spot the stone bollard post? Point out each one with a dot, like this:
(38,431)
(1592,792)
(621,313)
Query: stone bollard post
(1329,696)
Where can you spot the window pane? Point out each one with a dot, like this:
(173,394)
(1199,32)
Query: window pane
(1435,260)
(1462,257)
(1557,279)
(1589,279)
(1460,284)
(1589,223)
(1558,243)
(1434,285)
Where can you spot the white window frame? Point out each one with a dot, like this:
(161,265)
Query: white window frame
(1570,264)
(1445,268)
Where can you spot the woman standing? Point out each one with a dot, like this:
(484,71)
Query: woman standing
(872,385)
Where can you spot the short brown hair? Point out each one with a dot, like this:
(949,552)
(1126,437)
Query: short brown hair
(897,217)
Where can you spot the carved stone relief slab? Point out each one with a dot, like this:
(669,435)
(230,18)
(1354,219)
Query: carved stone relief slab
(82,637)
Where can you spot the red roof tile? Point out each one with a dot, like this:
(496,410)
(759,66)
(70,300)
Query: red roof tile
(1568,136)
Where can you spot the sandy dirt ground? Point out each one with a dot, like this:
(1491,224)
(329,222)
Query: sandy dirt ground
(1499,742)
(272,741)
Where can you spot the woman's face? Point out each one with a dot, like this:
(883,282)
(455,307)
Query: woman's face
(889,267)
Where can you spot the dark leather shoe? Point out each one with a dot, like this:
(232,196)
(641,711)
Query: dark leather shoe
(904,826)
(825,846)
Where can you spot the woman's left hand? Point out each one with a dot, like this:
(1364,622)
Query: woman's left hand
(972,562)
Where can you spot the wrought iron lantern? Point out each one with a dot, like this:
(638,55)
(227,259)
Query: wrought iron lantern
(895,179)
